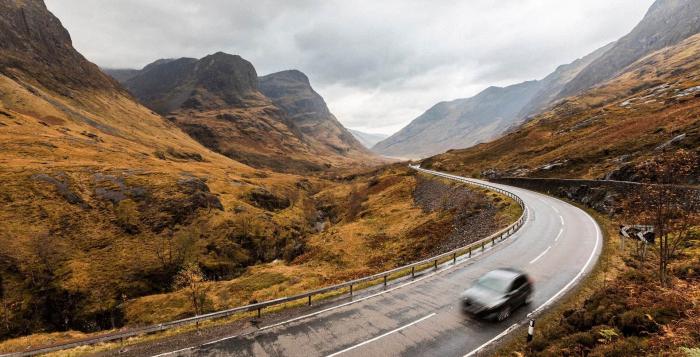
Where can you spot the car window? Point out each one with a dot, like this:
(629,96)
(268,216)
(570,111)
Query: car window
(494,282)
(519,282)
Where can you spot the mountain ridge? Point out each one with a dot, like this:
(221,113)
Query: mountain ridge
(222,102)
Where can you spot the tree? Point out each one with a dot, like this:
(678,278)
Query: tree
(191,279)
(662,201)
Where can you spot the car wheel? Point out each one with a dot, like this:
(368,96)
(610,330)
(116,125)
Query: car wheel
(504,313)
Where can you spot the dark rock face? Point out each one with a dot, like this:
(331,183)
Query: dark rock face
(215,81)
(666,23)
(34,44)
(306,109)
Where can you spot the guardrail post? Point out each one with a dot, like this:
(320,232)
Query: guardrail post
(259,312)
(482,246)
(493,242)
(309,300)
(454,258)
(413,272)
(470,252)
(385,281)
(435,263)
(350,290)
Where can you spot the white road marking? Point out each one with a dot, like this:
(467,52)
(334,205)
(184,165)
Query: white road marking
(382,335)
(541,254)
(551,299)
(561,218)
(556,210)
(561,230)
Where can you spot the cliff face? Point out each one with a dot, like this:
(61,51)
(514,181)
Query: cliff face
(292,92)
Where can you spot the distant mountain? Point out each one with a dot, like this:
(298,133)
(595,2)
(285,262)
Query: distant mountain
(121,75)
(465,122)
(368,139)
(666,23)
(460,123)
(276,121)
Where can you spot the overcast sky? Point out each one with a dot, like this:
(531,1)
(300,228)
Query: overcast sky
(378,64)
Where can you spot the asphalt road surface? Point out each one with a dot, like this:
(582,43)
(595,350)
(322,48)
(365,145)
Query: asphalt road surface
(557,246)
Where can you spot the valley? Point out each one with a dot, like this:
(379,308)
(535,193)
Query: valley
(135,197)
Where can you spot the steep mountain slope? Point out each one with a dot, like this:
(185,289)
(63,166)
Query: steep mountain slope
(552,85)
(459,123)
(666,23)
(219,101)
(306,109)
(103,201)
(606,132)
(368,139)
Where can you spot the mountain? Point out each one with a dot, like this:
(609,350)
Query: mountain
(552,85)
(306,109)
(121,74)
(610,131)
(666,23)
(276,121)
(368,139)
(459,123)
(103,200)
(465,122)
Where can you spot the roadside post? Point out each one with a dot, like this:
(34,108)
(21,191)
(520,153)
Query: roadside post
(530,330)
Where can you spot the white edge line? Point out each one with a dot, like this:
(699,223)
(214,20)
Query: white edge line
(561,218)
(537,310)
(382,335)
(541,255)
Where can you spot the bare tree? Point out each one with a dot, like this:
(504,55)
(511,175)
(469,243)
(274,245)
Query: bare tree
(191,279)
(662,201)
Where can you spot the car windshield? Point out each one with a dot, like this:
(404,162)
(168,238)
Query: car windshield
(494,282)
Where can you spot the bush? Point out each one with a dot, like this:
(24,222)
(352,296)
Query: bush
(636,323)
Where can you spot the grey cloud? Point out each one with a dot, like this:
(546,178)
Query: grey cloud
(378,64)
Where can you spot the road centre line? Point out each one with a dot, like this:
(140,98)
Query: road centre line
(541,254)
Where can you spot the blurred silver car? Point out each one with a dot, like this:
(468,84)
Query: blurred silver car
(497,293)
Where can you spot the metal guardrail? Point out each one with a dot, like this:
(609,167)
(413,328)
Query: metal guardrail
(385,276)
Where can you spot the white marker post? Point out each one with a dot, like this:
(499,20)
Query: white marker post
(530,331)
